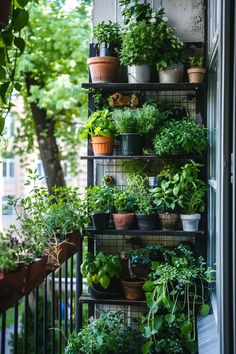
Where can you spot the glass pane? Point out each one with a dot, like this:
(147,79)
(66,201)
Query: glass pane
(11,169)
(4,169)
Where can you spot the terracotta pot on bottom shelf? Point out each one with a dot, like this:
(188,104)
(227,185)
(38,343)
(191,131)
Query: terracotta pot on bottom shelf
(133,288)
(103,69)
(168,220)
(102,145)
(124,221)
(196,75)
(190,222)
(113,291)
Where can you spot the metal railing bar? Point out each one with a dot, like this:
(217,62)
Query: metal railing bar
(45,324)
(59,312)
(53,312)
(16,329)
(66,299)
(3,336)
(26,312)
(71,292)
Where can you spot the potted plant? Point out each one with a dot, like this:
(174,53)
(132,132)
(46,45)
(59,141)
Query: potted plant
(141,42)
(99,199)
(113,333)
(196,71)
(193,192)
(132,285)
(170,64)
(184,136)
(166,198)
(102,273)
(175,293)
(123,215)
(132,125)
(104,68)
(101,129)
(143,202)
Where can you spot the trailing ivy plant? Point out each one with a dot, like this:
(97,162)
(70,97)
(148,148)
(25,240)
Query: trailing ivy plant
(175,293)
(12,46)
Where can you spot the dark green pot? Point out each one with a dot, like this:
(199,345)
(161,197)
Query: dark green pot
(131,144)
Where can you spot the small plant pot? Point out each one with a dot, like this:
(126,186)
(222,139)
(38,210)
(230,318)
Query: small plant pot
(5,7)
(100,221)
(131,144)
(146,222)
(196,75)
(190,222)
(133,288)
(171,76)
(103,69)
(102,145)
(168,220)
(113,291)
(138,74)
(124,221)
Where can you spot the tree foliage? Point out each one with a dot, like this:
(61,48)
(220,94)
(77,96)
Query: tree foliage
(55,58)
(12,46)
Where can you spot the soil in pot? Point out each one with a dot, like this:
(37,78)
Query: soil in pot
(103,69)
(131,144)
(196,75)
(113,291)
(102,145)
(168,220)
(100,221)
(133,288)
(124,221)
(190,222)
(146,222)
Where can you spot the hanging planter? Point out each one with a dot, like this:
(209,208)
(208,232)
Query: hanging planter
(5,8)
(36,273)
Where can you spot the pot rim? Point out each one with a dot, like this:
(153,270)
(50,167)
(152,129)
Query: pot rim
(195,216)
(96,60)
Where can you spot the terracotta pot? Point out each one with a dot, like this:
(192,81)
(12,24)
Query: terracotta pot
(103,69)
(102,145)
(168,220)
(5,7)
(124,221)
(133,288)
(196,75)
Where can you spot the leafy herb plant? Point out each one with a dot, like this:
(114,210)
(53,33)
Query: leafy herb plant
(194,61)
(98,124)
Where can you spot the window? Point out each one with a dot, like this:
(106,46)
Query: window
(8,168)
(66,169)
(7,209)
(40,169)
(9,128)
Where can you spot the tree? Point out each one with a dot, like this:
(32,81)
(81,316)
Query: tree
(13,18)
(54,65)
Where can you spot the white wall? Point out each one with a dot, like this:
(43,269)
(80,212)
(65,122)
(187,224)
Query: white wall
(186,15)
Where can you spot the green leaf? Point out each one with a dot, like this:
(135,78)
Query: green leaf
(169,318)
(186,328)
(7,37)
(21,19)
(2,123)
(148,286)
(2,73)
(204,310)
(146,347)
(157,322)
(21,3)
(105,281)
(147,332)
(19,43)
(3,90)
(2,56)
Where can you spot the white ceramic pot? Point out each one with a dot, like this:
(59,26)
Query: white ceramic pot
(171,76)
(190,222)
(138,74)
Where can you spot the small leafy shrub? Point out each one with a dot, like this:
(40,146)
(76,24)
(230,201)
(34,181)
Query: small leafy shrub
(106,335)
(143,198)
(98,124)
(100,268)
(185,136)
(123,201)
(99,198)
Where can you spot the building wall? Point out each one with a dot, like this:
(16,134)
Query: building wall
(186,15)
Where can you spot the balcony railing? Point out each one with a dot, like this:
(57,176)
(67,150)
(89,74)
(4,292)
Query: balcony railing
(40,322)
